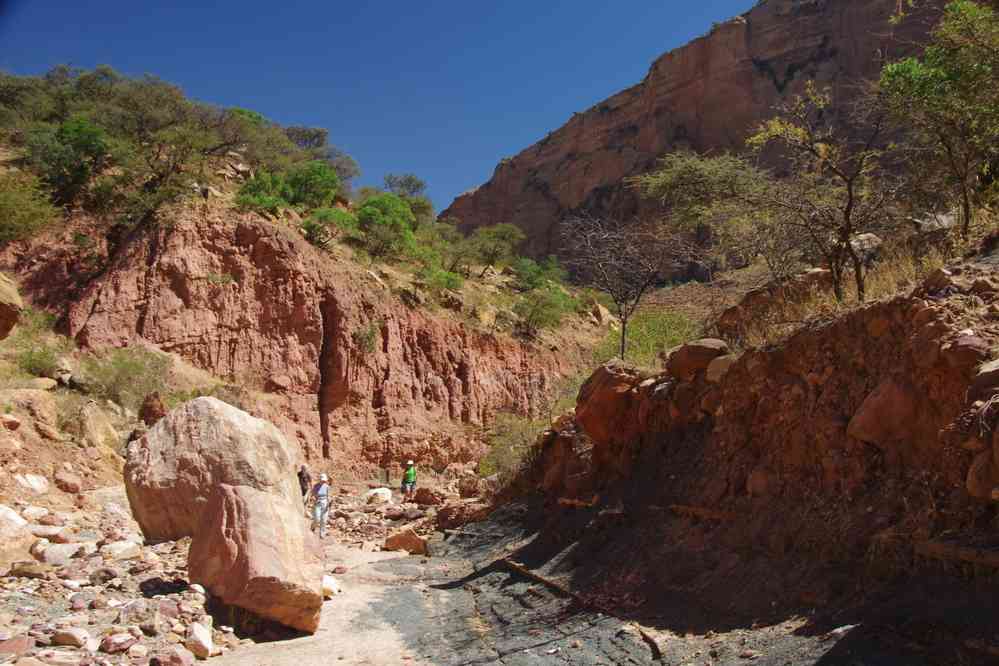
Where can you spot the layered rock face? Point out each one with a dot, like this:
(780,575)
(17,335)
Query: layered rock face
(331,356)
(898,389)
(706,95)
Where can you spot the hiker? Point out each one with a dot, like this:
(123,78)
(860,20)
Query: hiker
(321,495)
(304,482)
(409,479)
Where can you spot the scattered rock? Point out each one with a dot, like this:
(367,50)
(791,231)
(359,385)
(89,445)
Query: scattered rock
(68,482)
(428,497)
(121,550)
(331,587)
(378,496)
(71,637)
(199,640)
(152,409)
(33,482)
(407,540)
(42,383)
(119,642)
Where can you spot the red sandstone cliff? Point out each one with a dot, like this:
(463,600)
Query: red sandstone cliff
(705,95)
(338,362)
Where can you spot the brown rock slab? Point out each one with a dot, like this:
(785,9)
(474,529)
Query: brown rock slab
(10,306)
(694,357)
(886,415)
(68,482)
(253,550)
(407,540)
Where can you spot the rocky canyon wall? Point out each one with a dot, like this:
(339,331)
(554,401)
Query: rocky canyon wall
(706,95)
(333,358)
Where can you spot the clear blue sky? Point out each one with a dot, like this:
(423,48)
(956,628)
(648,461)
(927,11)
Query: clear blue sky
(440,88)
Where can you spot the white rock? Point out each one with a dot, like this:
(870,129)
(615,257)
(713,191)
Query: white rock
(56,554)
(11,523)
(33,482)
(199,641)
(194,587)
(59,657)
(35,513)
(121,550)
(378,496)
(331,587)
(138,651)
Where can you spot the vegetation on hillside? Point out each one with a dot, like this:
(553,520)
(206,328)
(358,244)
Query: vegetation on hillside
(923,142)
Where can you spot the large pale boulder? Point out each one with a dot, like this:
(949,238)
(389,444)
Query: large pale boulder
(172,470)
(10,306)
(254,550)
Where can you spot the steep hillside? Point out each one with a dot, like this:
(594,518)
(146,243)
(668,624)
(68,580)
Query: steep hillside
(322,345)
(705,95)
(845,479)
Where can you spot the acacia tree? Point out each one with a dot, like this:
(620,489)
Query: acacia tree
(837,186)
(947,103)
(624,261)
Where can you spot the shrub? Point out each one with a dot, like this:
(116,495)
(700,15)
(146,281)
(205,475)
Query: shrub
(650,332)
(437,280)
(39,361)
(497,243)
(312,184)
(387,224)
(266,192)
(543,308)
(24,208)
(366,339)
(126,376)
(68,156)
(532,275)
(340,222)
(512,448)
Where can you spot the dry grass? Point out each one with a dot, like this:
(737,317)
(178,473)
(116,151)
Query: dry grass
(896,273)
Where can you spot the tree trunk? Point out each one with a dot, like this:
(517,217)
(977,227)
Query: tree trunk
(624,336)
(966,211)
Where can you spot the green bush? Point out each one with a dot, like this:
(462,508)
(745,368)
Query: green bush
(387,224)
(317,233)
(543,308)
(650,332)
(497,243)
(266,192)
(126,376)
(437,280)
(68,156)
(38,361)
(24,208)
(340,222)
(533,275)
(512,447)
(312,184)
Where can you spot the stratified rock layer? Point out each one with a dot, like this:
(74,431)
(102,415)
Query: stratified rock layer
(706,95)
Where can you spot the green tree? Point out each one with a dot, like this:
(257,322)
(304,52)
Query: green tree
(497,243)
(946,102)
(533,275)
(387,224)
(68,156)
(312,184)
(839,185)
(24,208)
(543,308)
(407,186)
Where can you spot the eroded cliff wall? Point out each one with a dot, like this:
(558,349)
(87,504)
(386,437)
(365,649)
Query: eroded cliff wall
(332,356)
(706,95)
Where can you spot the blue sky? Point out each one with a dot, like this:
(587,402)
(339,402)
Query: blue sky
(440,88)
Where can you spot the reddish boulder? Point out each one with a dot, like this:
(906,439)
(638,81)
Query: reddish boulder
(152,409)
(10,306)
(428,497)
(68,482)
(886,415)
(172,469)
(407,540)
(453,516)
(694,357)
(254,550)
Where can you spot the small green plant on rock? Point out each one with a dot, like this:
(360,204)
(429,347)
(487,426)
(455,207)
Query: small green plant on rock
(366,339)
(126,376)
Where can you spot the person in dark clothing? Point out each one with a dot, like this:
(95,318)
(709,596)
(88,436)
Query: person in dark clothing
(305,481)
